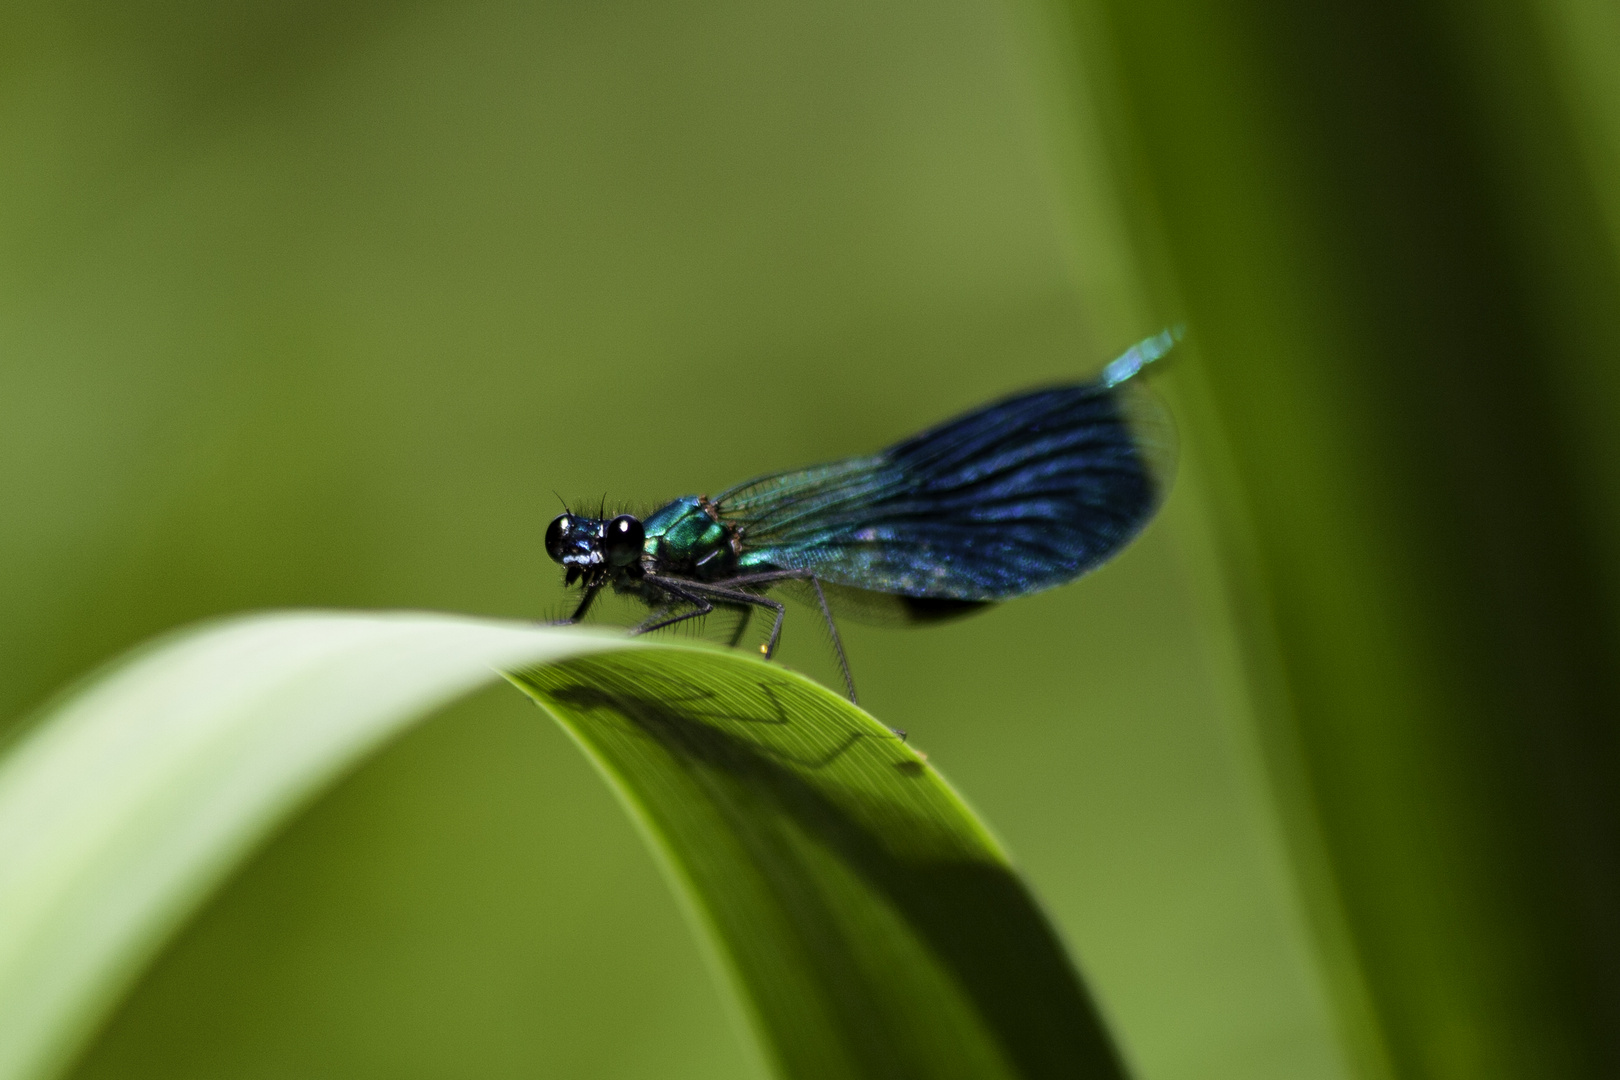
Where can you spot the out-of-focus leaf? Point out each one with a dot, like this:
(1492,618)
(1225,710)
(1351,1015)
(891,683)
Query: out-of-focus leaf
(1386,223)
(138,791)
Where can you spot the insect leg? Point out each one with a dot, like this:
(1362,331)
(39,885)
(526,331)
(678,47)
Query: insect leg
(656,614)
(584,606)
(694,589)
(679,587)
(702,607)
(660,618)
(838,643)
(742,624)
(768,576)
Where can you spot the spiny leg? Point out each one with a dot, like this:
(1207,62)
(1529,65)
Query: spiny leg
(584,606)
(701,608)
(702,591)
(660,612)
(662,618)
(769,576)
(838,642)
(742,624)
(765,578)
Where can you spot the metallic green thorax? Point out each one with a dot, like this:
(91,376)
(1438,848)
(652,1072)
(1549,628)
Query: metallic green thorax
(687,539)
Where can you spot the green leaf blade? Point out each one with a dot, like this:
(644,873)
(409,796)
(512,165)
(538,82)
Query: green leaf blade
(136,795)
(873,925)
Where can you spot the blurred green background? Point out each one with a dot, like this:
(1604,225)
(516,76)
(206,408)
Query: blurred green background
(316,304)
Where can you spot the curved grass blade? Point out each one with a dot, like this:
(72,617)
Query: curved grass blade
(873,927)
(871,923)
(138,791)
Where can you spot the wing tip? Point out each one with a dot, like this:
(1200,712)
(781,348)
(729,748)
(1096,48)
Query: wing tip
(1143,353)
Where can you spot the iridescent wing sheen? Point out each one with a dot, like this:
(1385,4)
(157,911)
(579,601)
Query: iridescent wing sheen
(1019,496)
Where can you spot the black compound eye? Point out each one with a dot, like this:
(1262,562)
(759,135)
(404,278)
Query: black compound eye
(555,532)
(621,540)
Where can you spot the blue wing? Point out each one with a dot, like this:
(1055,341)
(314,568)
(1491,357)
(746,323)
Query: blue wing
(1019,496)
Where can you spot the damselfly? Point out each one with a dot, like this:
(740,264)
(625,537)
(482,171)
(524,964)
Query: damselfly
(1009,499)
